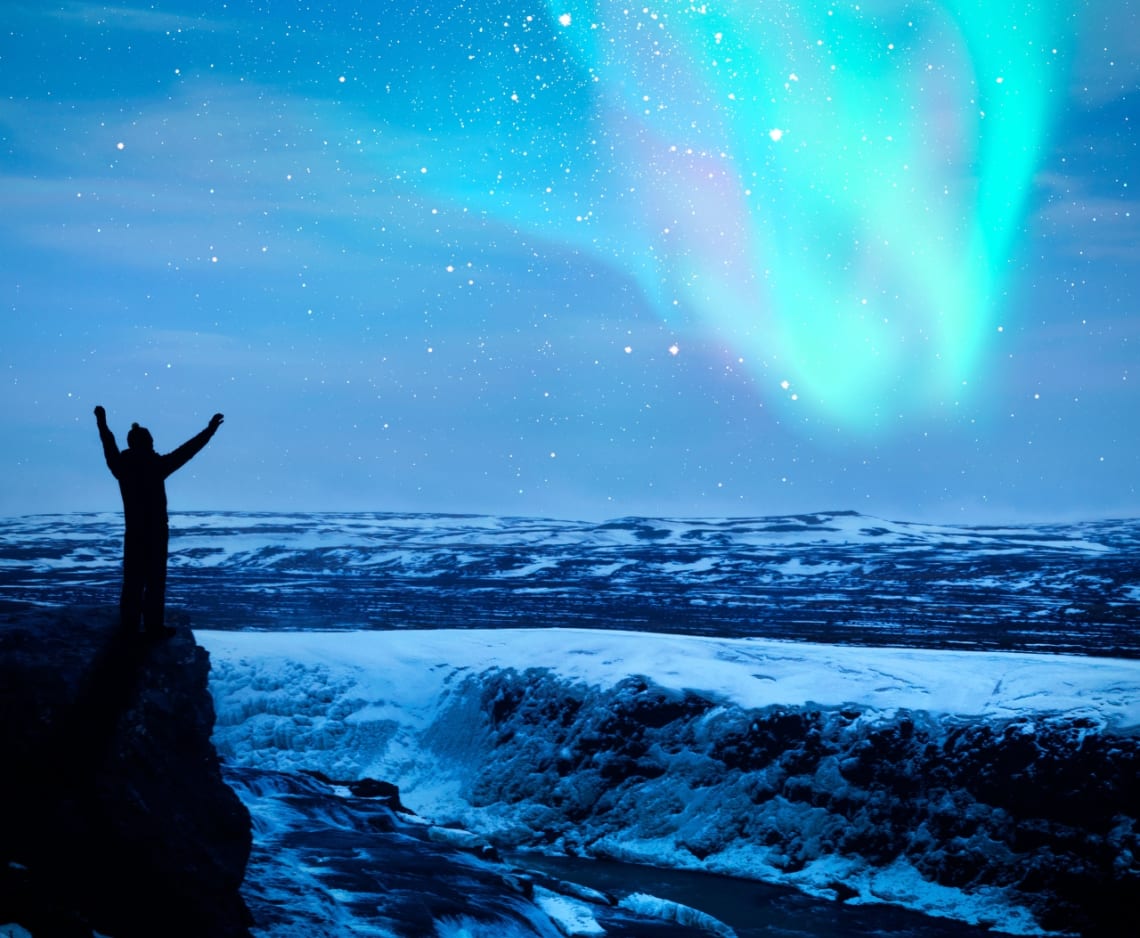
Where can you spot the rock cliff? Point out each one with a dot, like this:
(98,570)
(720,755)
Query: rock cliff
(115,817)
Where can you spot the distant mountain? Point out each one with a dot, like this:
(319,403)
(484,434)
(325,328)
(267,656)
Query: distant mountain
(835,576)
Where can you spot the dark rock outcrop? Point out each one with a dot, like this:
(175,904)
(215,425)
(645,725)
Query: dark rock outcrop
(116,818)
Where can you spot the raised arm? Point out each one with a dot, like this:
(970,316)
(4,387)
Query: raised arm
(175,460)
(107,438)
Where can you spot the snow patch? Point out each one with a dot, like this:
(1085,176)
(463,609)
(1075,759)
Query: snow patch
(573,917)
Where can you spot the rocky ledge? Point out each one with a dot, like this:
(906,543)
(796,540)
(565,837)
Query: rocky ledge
(115,817)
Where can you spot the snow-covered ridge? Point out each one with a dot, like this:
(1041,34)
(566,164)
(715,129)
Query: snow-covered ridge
(986,787)
(835,577)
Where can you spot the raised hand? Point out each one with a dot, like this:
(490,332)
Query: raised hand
(216,421)
(100,414)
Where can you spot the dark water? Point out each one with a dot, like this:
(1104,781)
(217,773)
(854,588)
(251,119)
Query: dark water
(752,910)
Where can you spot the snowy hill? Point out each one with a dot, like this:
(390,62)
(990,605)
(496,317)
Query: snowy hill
(826,577)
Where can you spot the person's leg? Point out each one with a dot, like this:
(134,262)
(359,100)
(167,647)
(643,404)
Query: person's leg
(134,582)
(154,603)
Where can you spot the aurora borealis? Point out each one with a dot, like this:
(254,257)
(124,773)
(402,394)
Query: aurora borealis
(834,188)
(581,259)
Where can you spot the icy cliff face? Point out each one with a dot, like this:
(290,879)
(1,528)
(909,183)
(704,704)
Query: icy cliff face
(996,789)
(1013,823)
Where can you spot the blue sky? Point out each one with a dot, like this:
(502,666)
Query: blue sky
(580,260)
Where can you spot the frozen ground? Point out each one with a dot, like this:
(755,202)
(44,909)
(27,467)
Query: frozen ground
(936,716)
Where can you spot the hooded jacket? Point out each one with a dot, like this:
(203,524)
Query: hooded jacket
(141,473)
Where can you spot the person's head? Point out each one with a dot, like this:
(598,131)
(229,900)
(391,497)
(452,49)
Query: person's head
(139,438)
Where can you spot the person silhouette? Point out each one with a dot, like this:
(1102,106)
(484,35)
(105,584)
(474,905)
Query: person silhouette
(142,473)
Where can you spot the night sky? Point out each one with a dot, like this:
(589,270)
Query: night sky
(577,259)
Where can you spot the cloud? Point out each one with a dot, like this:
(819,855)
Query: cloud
(1081,223)
(237,174)
(1107,61)
(132,19)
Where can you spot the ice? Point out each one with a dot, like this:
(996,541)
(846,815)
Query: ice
(403,674)
(573,917)
(674,912)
